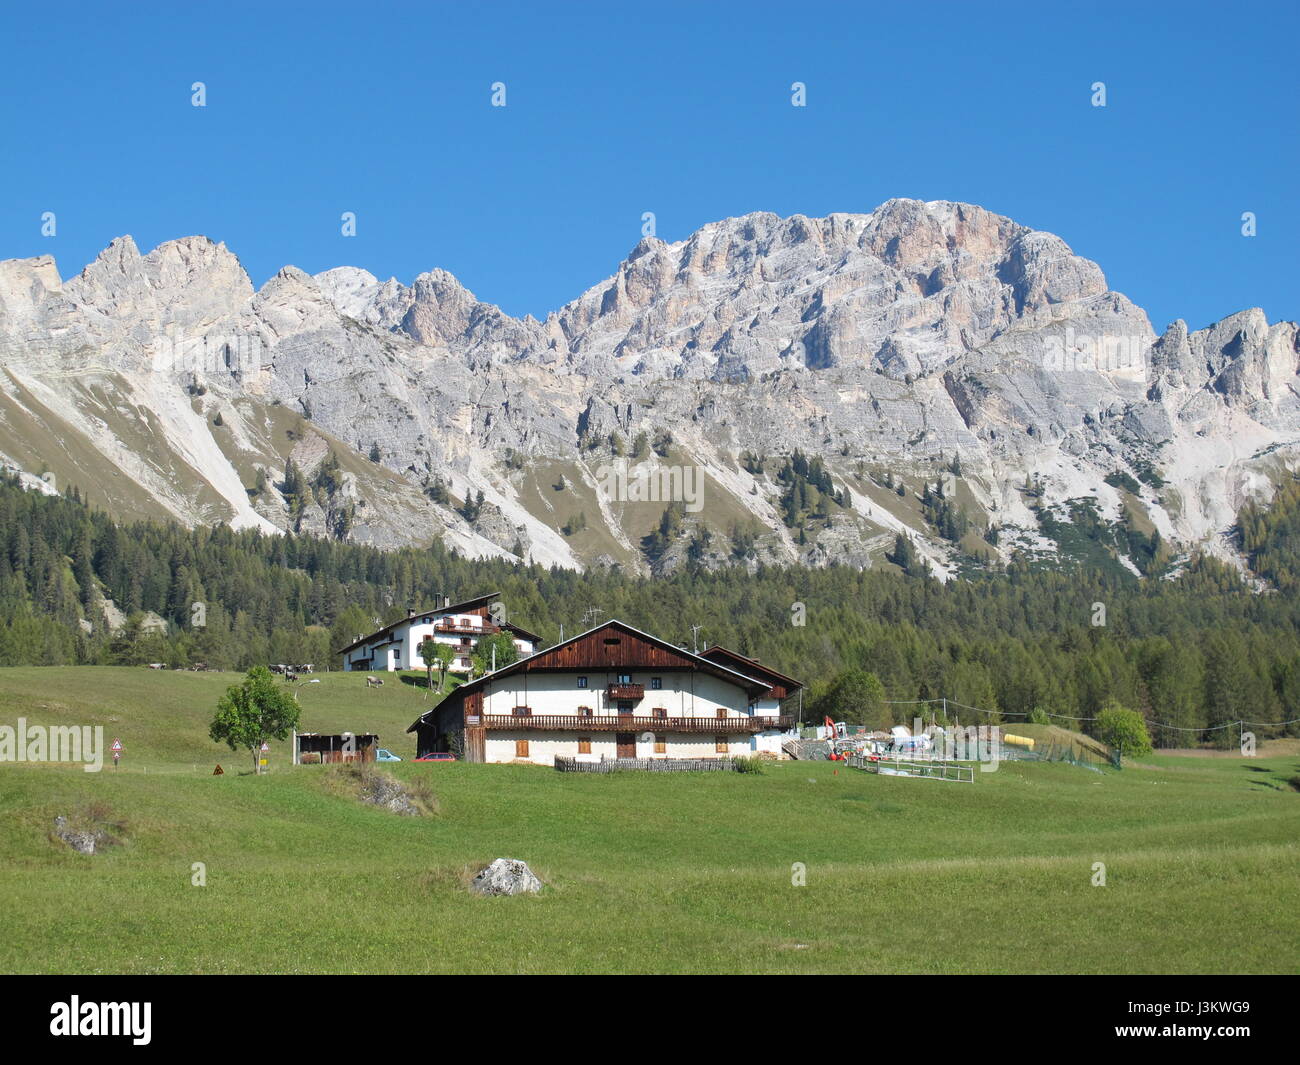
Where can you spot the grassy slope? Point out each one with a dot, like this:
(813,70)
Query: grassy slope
(645,873)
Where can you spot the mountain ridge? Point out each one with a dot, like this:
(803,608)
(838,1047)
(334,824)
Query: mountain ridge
(894,345)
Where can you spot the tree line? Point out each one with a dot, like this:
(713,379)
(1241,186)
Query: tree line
(1199,650)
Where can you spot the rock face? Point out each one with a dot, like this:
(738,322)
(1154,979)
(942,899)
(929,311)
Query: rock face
(83,839)
(380,789)
(886,344)
(506,876)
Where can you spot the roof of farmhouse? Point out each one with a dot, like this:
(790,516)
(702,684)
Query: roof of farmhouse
(554,659)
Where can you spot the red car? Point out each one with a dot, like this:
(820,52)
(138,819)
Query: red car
(436,756)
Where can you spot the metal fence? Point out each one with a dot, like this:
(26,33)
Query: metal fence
(923,768)
(1071,754)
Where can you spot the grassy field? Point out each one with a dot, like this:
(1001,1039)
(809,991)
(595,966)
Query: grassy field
(653,873)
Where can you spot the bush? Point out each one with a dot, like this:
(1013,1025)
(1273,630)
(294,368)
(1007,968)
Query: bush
(1123,729)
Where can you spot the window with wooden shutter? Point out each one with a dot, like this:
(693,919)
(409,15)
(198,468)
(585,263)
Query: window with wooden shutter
(721,712)
(660,711)
(584,745)
(661,747)
(721,747)
(521,748)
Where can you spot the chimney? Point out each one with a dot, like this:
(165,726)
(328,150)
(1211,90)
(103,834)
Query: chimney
(446,601)
(410,611)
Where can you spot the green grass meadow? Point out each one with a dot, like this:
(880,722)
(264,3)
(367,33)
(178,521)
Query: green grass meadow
(643,873)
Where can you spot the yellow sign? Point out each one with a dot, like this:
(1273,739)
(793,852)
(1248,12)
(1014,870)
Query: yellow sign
(263,761)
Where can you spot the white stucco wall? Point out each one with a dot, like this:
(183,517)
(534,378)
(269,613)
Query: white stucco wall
(544,746)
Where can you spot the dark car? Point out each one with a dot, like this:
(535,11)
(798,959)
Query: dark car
(436,756)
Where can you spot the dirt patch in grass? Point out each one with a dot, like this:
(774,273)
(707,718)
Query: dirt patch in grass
(363,782)
(449,878)
(1283,748)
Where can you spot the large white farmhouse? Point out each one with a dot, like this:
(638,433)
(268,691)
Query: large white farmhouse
(460,625)
(611,692)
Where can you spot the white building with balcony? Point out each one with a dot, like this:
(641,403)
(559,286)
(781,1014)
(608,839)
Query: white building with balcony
(458,625)
(611,692)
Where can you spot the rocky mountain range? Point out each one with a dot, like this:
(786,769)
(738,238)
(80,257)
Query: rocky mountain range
(767,390)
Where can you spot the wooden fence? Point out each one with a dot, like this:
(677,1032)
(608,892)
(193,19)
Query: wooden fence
(567,764)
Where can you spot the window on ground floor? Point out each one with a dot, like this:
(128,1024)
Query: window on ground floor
(584,745)
(721,747)
(521,748)
(661,747)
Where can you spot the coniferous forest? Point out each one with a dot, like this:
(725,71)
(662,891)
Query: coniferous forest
(1200,650)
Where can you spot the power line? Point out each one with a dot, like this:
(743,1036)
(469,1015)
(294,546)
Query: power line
(1068,717)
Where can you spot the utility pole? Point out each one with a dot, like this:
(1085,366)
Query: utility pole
(695,631)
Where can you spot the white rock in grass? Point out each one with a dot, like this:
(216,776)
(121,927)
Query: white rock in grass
(506,876)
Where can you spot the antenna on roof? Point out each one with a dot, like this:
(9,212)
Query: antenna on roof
(695,631)
(594,613)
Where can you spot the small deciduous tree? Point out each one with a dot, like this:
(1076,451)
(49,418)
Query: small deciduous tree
(506,652)
(857,697)
(251,713)
(1123,729)
(428,650)
(445,655)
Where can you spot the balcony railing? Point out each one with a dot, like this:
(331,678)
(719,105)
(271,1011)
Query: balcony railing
(630,723)
(625,691)
(460,628)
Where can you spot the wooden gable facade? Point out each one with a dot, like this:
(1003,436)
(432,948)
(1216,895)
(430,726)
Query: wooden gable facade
(782,686)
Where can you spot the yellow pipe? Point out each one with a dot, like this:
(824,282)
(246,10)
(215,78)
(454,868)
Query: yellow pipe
(1019,741)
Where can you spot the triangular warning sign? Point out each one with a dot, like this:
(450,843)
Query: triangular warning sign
(218,772)
(266,746)
(117,745)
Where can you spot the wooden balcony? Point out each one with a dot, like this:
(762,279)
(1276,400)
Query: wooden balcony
(615,692)
(635,723)
(455,628)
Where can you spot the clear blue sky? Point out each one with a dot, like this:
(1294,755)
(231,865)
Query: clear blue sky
(681,109)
